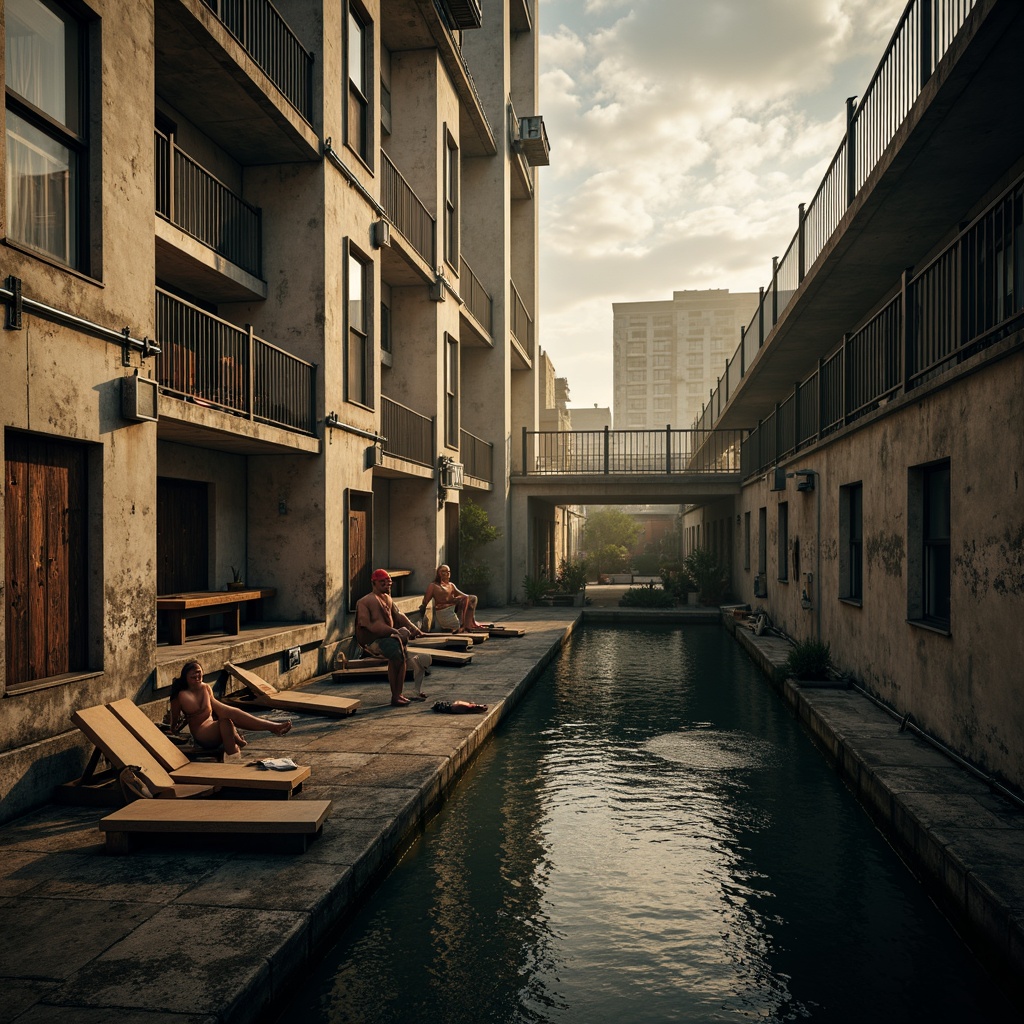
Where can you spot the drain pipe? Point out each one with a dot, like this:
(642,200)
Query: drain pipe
(906,723)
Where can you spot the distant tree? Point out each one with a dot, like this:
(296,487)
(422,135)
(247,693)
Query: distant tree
(610,526)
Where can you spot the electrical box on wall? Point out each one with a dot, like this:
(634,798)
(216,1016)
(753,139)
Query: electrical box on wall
(139,399)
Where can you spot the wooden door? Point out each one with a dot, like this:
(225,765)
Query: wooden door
(182,536)
(46,557)
(359,548)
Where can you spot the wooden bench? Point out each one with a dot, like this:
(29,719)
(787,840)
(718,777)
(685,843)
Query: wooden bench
(227,603)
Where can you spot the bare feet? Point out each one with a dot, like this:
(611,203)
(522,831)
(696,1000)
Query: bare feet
(399,702)
(281,728)
(418,696)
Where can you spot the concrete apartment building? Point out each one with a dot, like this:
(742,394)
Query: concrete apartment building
(881,507)
(270,276)
(668,355)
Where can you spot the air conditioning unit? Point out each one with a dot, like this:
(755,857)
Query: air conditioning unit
(533,141)
(760,586)
(380,234)
(140,400)
(464,13)
(452,475)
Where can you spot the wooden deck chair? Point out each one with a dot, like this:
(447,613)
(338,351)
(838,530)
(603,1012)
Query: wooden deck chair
(506,631)
(362,668)
(443,641)
(262,694)
(127,736)
(439,656)
(297,820)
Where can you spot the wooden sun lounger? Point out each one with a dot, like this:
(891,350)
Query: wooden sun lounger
(451,641)
(262,694)
(441,657)
(127,736)
(299,820)
(506,631)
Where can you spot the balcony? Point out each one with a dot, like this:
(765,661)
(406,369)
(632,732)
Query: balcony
(211,362)
(409,215)
(410,438)
(240,74)
(194,201)
(476,301)
(521,323)
(522,173)
(477,458)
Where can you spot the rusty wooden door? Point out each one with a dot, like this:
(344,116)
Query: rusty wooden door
(46,557)
(182,535)
(359,547)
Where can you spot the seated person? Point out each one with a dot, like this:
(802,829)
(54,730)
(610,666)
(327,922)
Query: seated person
(383,630)
(453,610)
(211,722)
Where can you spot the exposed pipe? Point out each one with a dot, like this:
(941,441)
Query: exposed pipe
(332,421)
(331,153)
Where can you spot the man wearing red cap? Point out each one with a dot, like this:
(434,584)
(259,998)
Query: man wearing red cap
(382,628)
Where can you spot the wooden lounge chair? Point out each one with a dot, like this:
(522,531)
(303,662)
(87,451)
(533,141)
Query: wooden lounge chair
(261,693)
(127,736)
(363,668)
(451,641)
(298,820)
(441,657)
(506,631)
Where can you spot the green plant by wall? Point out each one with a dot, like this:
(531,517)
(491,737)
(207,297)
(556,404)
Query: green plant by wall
(571,576)
(676,581)
(608,558)
(535,588)
(810,659)
(646,597)
(475,533)
(708,575)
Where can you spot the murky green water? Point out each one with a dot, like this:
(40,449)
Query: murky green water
(651,837)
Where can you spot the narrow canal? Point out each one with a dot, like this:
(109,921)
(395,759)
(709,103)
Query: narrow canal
(650,837)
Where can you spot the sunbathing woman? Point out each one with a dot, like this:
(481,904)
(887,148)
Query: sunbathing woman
(211,722)
(453,610)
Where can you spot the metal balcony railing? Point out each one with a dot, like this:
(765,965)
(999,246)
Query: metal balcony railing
(969,297)
(477,456)
(194,200)
(409,434)
(921,38)
(630,452)
(476,297)
(405,210)
(521,321)
(266,37)
(216,363)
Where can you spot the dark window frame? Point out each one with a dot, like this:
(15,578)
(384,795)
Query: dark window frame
(929,546)
(451,185)
(358,98)
(358,330)
(451,391)
(851,542)
(783,539)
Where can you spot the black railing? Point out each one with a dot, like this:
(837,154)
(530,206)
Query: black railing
(216,363)
(630,452)
(266,37)
(477,456)
(410,435)
(921,38)
(521,321)
(194,200)
(968,297)
(476,297)
(405,210)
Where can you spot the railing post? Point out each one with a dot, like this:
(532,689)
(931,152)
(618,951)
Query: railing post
(668,449)
(796,416)
(743,352)
(606,432)
(851,151)
(801,248)
(525,470)
(170,179)
(906,330)
(821,398)
(925,54)
(251,376)
(760,316)
(846,378)
(775,290)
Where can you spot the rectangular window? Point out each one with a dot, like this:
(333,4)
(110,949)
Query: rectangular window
(783,551)
(451,201)
(762,540)
(928,545)
(46,145)
(451,391)
(746,540)
(851,542)
(359,59)
(357,358)
(385,328)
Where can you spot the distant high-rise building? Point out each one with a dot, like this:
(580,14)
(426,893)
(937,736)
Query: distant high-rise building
(667,355)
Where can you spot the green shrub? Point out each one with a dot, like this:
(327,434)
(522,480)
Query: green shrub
(535,588)
(676,580)
(646,597)
(647,564)
(810,659)
(708,575)
(572,576)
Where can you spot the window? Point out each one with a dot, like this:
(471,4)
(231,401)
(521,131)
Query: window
(746,540)
(762,540)
(783,541)
(851,542)
(46,145)
(385,328)
(451,201)
(357,128)
(451,391)
(928,545)
(357,358)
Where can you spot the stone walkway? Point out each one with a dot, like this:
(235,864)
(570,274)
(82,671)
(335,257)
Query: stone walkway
(201,933)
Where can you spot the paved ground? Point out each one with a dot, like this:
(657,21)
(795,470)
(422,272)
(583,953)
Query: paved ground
(207,934)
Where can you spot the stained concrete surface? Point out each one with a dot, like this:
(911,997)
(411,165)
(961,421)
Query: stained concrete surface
(204,932)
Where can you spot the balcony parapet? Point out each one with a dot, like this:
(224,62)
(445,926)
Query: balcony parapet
(406,211)
(521,323)
(476,298)
(410,435)
(477,457)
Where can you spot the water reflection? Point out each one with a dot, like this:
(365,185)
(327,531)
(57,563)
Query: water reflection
(652,838)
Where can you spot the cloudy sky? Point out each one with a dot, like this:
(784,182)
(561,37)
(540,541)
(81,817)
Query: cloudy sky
(684,135)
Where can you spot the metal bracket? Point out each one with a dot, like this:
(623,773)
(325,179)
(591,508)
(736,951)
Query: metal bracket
(12,317)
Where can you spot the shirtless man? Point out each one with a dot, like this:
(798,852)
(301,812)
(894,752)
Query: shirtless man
(382,628)
(454,611)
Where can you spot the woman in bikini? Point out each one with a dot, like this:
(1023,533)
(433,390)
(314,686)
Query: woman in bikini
(453,610)
(210,721)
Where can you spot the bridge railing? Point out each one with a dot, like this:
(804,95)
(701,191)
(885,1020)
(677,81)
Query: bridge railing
(661,452)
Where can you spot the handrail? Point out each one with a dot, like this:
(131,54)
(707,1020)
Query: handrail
(923,35)
(408,434)
(477,456)
(521,321)
(476,297)
(407,211)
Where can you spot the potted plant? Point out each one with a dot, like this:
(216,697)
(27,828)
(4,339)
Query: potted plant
(535,588)
(237,583)
(708,575)
(572,579)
